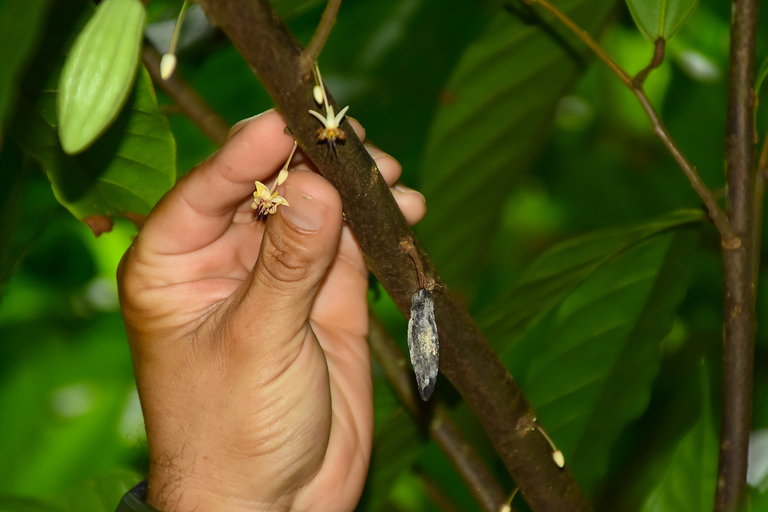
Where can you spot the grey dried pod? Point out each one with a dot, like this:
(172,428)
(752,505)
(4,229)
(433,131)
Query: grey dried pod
(422,341)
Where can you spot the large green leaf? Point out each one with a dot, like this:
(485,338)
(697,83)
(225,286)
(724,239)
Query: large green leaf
(496,111)
(130,167)
(124,173)
(20,24)
(660,18)
(582,331)
(689,482)
(554,276)
(595,367)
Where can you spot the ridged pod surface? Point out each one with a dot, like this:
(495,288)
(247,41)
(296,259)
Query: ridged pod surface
(99,72)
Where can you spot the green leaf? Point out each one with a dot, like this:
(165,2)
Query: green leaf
(595,368)
(127,170)
(496,110)
(689,482)
(582,332)
(124,173)
(20,24)
(660,18)
(554,276)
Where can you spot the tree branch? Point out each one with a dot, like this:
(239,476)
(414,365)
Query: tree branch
(192,105)
(727,233)
(315,46)
(438,422)
(740,284)
(379,226)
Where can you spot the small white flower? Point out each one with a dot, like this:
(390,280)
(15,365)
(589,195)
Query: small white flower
(266,201)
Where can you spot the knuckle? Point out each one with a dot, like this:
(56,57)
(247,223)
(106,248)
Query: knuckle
(285,262)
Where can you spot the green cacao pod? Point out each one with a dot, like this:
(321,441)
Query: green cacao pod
(98,73)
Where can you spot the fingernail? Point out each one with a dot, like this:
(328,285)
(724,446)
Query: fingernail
(407,190)
(241,124)
(373,150)
(303,212)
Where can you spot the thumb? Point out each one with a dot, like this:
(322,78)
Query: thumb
(298,246)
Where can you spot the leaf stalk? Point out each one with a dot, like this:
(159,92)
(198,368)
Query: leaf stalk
(728,235)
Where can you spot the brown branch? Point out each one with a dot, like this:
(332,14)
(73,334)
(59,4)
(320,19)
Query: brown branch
(659,48)
(727,233)
(191,104)
(379,226)
(740,283)
(315,46)
(441,427)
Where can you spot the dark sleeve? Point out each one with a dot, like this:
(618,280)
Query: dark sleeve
(133,501)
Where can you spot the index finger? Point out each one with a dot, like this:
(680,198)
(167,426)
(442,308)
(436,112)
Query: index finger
(199,209)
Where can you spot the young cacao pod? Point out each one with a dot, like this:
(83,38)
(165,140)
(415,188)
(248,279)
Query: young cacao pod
(98,73)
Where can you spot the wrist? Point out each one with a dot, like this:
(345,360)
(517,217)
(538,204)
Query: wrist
(197,493)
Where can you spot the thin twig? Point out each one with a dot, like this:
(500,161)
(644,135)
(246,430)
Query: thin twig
(315,46)
(659,48)
(586,39)
(466,359)
(441,427)
(192,105)
(740,279)
(727,234)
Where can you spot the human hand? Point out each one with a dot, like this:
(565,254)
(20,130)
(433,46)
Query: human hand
(248,337)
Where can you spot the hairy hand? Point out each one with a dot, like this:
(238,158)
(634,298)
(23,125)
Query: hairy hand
(248,337)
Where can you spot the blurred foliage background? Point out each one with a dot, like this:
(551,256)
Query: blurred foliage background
(520,142)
